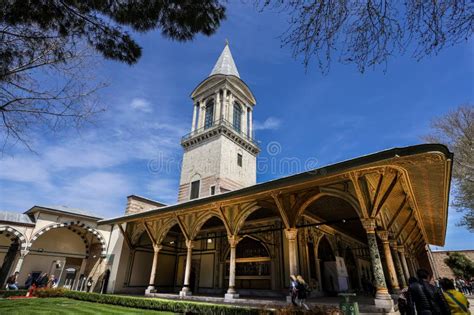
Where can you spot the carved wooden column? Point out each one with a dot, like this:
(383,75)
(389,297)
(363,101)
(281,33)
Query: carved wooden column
(398,265)
(382,297)
(156,250)
(401,250)
(389,260)
(186,291)
(291,236)
(231,292)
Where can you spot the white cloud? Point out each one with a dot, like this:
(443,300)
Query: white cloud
(141,104)
(24,169)
(271,123)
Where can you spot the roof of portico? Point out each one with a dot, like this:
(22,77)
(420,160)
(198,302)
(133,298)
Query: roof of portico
(63,210)
(15,217)
(421,180)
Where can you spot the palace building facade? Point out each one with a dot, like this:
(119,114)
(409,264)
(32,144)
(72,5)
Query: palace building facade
(348,227)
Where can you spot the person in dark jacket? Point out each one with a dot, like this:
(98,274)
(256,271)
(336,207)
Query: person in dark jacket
(29,281)
(428,299)
(405,301)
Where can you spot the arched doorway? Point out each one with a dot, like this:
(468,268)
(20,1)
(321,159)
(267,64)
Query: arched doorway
(9,248)
(339,213)
(352,270)
(207,265)
(70,251)
(253,265)
(326,263)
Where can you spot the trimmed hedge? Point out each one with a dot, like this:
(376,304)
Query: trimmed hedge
(8,293)
(151,303)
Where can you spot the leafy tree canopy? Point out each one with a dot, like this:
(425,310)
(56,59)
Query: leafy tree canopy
(460,265)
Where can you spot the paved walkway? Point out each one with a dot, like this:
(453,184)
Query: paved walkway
(366,304)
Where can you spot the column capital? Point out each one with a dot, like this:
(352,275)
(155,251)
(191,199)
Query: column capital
(24,252)
(383,235)
(189,244)
(369,225)
(233,240)
(393,244)
(157,247)
(291,234)
(401,249)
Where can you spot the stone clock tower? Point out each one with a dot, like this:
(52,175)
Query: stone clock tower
(220,152)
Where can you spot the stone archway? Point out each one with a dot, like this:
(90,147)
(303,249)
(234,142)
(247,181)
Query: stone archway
(14,242)
(78,228)
(253,265)
(327,260)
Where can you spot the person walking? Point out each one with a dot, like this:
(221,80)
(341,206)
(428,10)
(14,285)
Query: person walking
(428,299)
(458,303)
(405,301)
(293,289)
(303,290)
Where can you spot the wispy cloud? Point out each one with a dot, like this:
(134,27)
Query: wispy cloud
(271,123)
(141,104)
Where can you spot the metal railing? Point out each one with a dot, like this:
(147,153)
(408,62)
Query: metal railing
(218,123)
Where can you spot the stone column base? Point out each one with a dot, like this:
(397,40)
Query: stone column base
(231,296)
(150,289)
(183,293)
(384,302)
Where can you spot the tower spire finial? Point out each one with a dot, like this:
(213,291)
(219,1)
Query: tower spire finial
(225,64)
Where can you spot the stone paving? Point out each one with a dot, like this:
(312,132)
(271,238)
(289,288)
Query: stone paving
(366,304)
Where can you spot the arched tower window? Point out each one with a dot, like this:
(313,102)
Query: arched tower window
(209,119)
(237,123)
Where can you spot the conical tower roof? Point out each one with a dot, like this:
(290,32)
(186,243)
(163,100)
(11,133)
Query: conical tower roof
(225,64)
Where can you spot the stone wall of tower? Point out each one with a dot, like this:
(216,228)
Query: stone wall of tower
(214,163)
(246,175)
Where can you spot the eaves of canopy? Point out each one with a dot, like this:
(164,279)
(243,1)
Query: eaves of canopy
(217,81)
(406,190)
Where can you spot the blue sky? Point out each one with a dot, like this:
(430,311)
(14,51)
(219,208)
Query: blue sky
(133,148)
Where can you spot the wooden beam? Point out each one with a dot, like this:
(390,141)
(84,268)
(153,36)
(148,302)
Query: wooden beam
(359,194)
(404,225)
(377,191)
(411,232)
(224,219)
(378,206)
(397,213)
(150,235)
(281,209)
(125,236)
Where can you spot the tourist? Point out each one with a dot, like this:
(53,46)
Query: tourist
(405,301)
(52,282)
(29,281)
(293,289)
(11,282)
(428,299)
(457,302)
(303,290)
(42,281)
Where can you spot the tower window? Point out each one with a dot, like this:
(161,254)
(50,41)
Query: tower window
(195,189)
(209,119)
(213,190)
(237,123)
(239,159)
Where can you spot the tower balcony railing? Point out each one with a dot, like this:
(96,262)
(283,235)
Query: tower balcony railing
(220,123)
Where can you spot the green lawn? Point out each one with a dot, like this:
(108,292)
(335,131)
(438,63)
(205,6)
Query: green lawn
(66,306)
